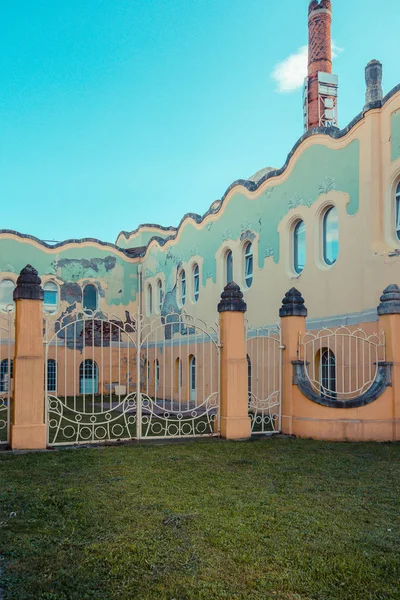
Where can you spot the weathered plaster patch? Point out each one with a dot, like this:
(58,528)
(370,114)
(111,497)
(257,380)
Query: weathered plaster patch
(74,264)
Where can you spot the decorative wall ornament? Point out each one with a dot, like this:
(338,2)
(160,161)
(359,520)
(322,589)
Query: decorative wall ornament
(268,252)
(227,235)
(327,185)
(295,200)
(245,226)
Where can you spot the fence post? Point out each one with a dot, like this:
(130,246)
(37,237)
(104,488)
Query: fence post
(235,420)
(293,315)
(389,324)
(28,428)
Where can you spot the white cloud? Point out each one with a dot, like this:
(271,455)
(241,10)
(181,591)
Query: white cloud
(290,72)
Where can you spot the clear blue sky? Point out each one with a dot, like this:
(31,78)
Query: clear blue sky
(115,113)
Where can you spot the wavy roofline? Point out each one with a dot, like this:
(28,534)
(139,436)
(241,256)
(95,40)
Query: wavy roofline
(251,186)
(72,241)
(128,234)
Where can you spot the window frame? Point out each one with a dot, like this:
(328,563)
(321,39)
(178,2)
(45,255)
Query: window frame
(228,266)
(248,261)
(160,295)
(83,297)
(84,371)
(51,308)
(325,216)
(3,307)
(53,375)
(196,282)
(5,385)
(397,210)
(149,299)
(327,364)
(295,242)
(156,374)
(182,285)
(192,373)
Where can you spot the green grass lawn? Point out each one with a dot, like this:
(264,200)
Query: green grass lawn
(275,518)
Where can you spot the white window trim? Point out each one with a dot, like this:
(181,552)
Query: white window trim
(246,254)
(196,276)
(182,278)
(149,299)
(397,209)
(293,253)
(160,297)
(52,308)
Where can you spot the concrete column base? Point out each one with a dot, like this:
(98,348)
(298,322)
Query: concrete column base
(28,437)
(236,428)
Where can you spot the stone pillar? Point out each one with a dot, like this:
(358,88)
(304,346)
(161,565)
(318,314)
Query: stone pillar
(389,323)
(28,428)
(235,420)
(293,315)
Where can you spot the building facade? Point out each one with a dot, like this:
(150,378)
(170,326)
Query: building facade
(326,223)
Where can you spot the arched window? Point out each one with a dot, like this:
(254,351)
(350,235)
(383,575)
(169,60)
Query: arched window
(192,377)
(183,286)
(178,374)
(160,295)
(397,201)
(51,375)
(228,267)
(6,293)
(149,299)
(6,374)
(90,297)
(88,377)
(157,372)
(196,282)
(248,264)
(249,375)
(50,303)
(330,235)
(328,372)
(299,247)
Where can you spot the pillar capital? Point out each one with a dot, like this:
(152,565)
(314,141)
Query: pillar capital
(390,301)
(28,285)
(293,305)
(232,299)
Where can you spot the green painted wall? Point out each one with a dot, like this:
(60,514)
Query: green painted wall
(117,277)
(396,135)
(317,171)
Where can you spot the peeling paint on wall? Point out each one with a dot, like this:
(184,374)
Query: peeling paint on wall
(115,277)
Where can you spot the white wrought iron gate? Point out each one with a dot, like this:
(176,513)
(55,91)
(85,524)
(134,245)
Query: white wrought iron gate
(264,363)
(6,374)
(106,380)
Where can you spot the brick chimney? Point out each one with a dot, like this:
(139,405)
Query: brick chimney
(320,87)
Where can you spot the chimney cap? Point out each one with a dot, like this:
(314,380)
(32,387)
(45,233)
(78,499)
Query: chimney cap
(319,5)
